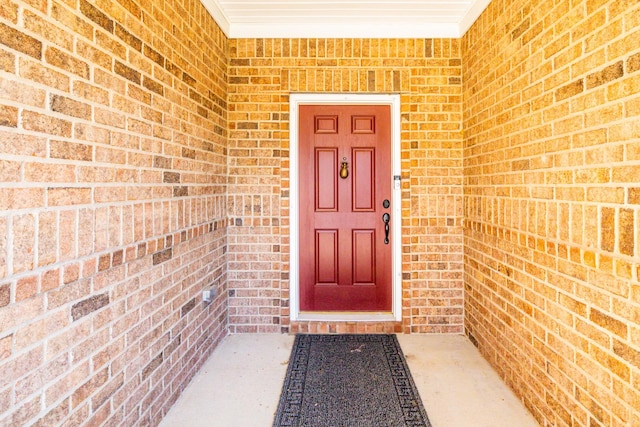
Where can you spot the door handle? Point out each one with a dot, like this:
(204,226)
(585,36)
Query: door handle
(386,217)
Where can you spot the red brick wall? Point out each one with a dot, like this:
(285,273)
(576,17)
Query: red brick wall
(552,241)
(427,75)
(112,207)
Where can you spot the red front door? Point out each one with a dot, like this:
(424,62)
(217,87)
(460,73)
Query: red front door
(345,250)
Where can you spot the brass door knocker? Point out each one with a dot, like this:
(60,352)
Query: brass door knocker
(344,172)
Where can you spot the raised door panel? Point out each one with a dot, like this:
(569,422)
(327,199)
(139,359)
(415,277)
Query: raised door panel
(327,257)
(363,182)
(364,259)
(326,185)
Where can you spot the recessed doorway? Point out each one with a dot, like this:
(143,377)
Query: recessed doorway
(345,262)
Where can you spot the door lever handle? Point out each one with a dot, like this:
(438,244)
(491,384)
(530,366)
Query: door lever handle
(386,217)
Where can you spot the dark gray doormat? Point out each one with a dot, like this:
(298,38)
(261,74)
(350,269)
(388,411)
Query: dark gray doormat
(349,381)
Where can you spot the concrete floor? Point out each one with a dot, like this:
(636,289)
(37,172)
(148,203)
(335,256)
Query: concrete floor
(240,384)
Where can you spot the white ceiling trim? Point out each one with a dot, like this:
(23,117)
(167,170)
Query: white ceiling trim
(472,15)
(218,15)
(335,30)
(313,27)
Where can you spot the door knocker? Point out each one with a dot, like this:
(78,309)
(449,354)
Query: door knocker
(344,172)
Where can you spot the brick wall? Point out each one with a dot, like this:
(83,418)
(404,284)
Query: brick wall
(112,207)
(551,174)
(427,75)
(130,160)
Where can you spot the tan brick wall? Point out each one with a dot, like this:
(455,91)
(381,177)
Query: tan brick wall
(135,172)
(427,75)
(551,174)
(112,207)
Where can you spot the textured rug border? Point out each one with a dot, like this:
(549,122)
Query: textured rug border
(293,386)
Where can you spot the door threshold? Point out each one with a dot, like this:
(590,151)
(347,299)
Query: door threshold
(345,316)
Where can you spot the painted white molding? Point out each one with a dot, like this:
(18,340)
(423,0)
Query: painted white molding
(342,30)
(295,101)
(218,15)
(447,20)
(472,16)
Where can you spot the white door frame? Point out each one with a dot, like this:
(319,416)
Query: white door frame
(296,100)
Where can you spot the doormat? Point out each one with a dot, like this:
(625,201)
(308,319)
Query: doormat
(349,381)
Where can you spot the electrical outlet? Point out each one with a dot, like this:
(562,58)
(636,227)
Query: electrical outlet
(208,295)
